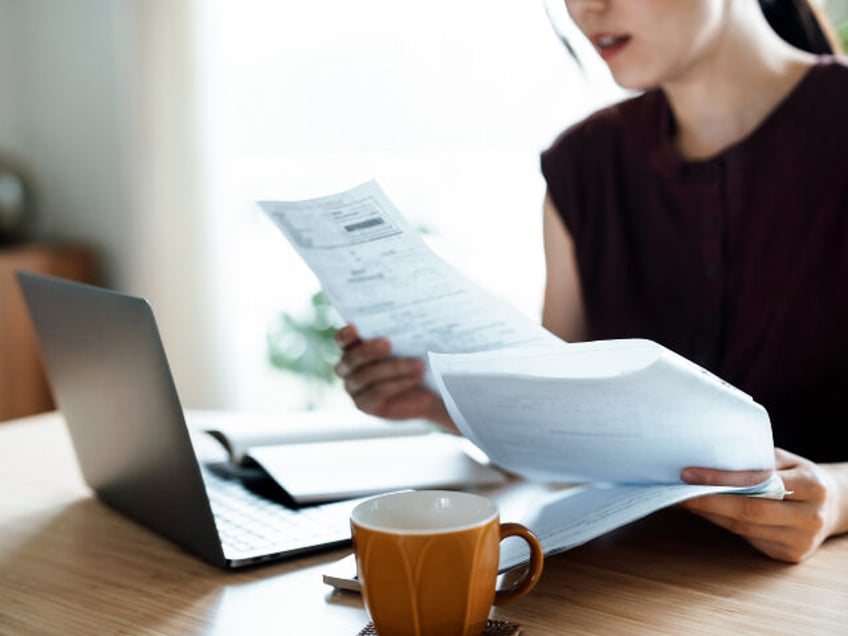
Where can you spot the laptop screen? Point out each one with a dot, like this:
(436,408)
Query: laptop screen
(111,379)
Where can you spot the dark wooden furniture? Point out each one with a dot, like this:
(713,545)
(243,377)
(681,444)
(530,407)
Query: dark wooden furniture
(23,387)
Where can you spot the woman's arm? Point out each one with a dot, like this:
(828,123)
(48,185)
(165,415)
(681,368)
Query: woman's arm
(563,313)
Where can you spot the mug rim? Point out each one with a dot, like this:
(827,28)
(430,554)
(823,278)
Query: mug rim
(366,506)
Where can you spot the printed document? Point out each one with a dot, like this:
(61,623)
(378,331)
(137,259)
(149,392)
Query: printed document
(381,276)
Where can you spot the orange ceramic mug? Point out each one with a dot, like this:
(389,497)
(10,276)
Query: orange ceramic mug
(428,561)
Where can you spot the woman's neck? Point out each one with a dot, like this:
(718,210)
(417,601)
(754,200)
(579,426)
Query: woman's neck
(728,93)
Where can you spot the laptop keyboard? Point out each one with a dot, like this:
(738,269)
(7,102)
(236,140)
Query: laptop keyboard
(250,524)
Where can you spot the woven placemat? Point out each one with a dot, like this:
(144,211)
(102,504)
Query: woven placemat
(494,627)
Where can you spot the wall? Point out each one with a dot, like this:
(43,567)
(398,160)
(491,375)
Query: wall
(837,9)
(96,104)
(11,78)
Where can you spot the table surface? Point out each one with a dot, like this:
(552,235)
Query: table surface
(70,565)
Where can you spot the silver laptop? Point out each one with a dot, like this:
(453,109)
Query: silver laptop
(111,380)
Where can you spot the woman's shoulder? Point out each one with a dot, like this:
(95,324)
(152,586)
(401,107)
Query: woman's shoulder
(634,120)
(834,67)
(830,82)
(821,103)
(588,155)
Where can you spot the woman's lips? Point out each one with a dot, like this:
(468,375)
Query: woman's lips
(609,44)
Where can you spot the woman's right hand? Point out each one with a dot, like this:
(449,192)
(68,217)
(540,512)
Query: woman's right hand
(383,385)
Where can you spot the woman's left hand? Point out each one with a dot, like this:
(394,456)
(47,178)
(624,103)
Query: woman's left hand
(788,530)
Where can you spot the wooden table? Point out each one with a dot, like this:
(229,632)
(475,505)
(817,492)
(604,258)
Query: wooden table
(69,565)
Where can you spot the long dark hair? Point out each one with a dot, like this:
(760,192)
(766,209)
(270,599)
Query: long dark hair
(797,22)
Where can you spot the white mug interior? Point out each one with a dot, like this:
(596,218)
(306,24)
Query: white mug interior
(424,512)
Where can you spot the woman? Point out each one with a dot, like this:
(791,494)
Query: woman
(709,213)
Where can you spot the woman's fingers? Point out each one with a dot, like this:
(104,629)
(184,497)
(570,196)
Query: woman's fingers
(346,337)
(378,398)
(389,372)
(740,514)
(361,354)
(787,531)
(697,475)
(379,383)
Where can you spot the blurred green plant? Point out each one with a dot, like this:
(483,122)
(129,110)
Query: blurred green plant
(305,346)
(843,36)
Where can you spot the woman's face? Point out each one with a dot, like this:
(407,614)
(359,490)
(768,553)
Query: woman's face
(648,43)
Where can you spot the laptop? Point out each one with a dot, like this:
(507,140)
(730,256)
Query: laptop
(110,376)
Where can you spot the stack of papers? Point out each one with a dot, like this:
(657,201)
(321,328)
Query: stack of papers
(619,417)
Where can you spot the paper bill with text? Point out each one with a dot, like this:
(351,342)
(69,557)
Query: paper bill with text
(381,276)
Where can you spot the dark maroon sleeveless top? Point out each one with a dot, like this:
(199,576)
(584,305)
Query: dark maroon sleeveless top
(739,262)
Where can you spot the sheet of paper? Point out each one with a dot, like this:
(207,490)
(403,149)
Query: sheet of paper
(566,519)
(636,415)
(381,276)
(325,471)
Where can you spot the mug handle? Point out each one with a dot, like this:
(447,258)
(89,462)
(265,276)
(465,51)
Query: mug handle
(534,571)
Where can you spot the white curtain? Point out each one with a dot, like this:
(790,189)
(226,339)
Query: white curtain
(446,103)
(172,255)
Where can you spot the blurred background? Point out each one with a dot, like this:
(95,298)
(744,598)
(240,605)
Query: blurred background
(144,131)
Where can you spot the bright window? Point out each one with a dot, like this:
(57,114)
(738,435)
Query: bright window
(446,103)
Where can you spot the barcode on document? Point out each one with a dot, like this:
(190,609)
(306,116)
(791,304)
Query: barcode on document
(353,227)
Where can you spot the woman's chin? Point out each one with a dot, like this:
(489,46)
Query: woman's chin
(633,80)
(631,74)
